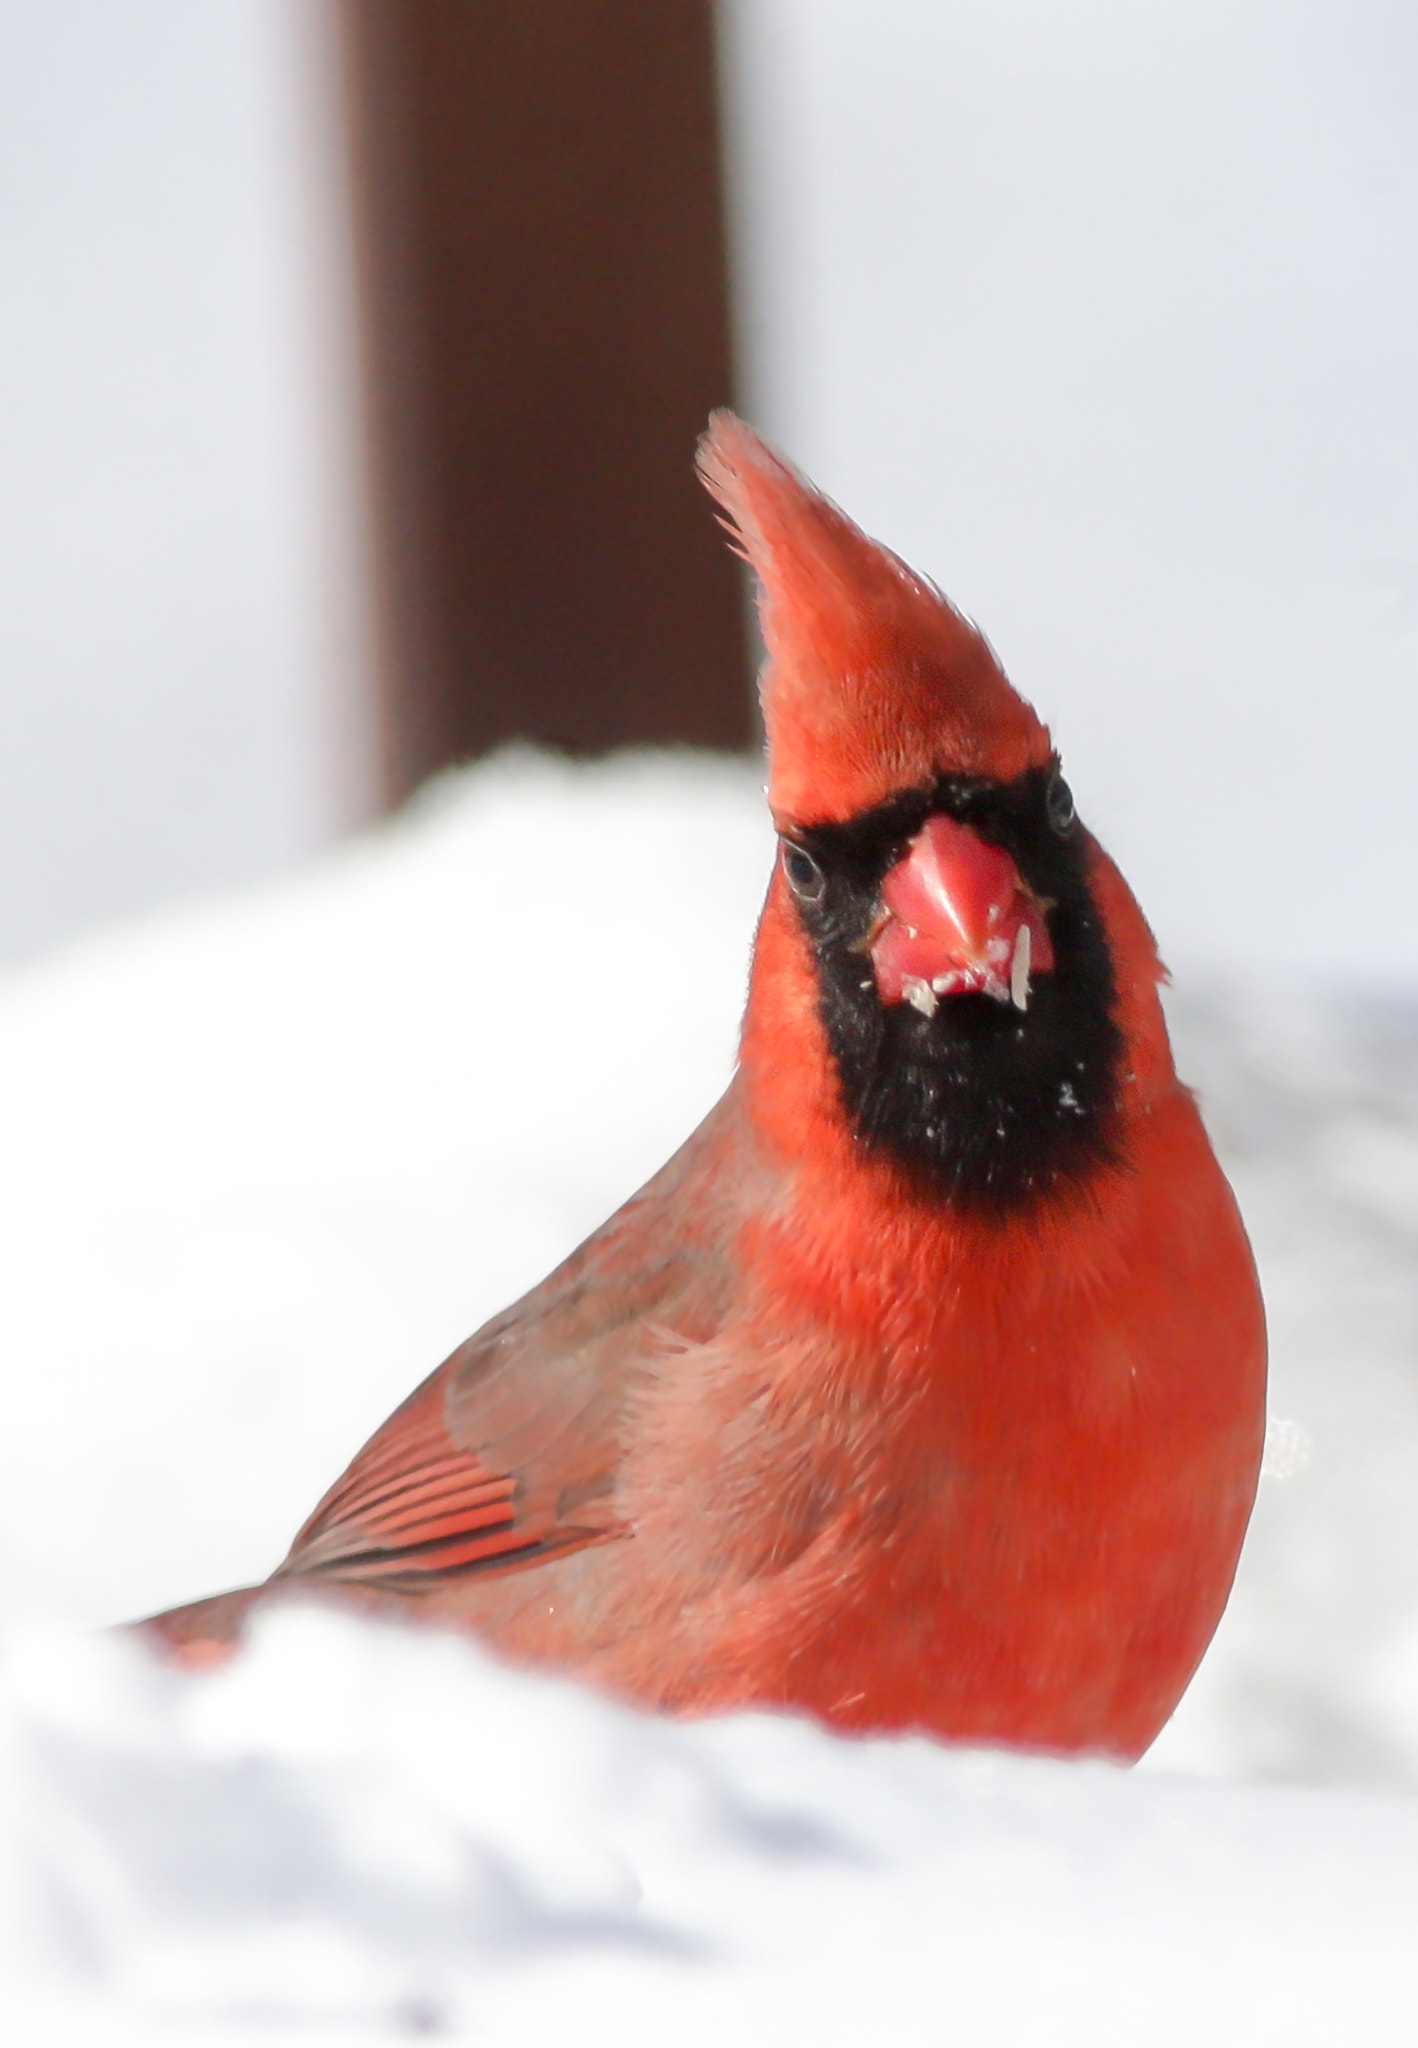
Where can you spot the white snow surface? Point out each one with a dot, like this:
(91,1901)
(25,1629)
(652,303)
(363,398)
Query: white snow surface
(266,1160)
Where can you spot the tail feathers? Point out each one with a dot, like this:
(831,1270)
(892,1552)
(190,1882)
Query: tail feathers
(204,1634)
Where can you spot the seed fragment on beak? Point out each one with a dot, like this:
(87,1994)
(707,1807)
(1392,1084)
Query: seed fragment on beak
(919,994)
(1019,970)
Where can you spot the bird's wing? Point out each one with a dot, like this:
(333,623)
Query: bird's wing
(509,1453)
(414,1509)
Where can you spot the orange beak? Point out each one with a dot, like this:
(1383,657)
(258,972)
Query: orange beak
(957,919)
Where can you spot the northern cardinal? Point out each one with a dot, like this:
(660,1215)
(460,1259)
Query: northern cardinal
(924,1387)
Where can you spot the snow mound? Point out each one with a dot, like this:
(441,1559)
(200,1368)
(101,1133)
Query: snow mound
(384,1834)
(267,1159)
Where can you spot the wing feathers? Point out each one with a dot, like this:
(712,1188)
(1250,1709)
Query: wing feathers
(413,1509)
(509,1453)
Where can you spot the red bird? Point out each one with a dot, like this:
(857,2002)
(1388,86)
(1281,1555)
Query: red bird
(924,1387)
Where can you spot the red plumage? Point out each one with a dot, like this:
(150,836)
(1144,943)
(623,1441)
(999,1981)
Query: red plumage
(909,1426)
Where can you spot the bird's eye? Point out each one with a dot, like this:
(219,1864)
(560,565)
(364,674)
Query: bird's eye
(805,877)
(1059,805)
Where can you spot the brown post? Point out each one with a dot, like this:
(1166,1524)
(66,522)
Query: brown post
(542,241)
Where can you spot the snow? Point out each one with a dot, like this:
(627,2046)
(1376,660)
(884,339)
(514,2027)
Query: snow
(266,1159)
(384,1833)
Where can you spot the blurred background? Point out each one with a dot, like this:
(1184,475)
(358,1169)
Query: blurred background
(352,355)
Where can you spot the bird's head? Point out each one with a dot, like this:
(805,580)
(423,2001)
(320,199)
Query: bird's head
(963,929)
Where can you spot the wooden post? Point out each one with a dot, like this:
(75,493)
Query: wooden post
(544,276)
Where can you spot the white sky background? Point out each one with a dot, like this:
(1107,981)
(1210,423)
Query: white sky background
(1106,315)
(181,665)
